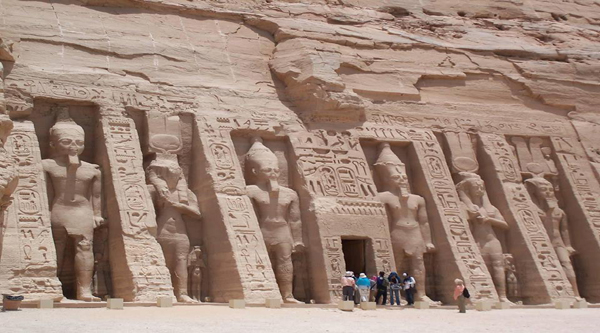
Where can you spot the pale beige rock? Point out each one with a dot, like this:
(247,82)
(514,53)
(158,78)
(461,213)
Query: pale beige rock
(421,305)
(505,90)
(164,302)
(273,303)
(346,305)
(114,304)
(368,306)
(562,304)
(484,305)
(237,304)
(45,304)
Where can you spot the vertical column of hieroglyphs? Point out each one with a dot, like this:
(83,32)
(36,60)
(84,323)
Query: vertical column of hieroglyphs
(29,264)
(457,249)
(237,257)
(137,263)
(336,179)
(543,279)
(580,191)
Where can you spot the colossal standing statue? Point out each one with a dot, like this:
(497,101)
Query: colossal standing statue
(556,224)
(173,199)
(483,217)
(410,233)
(74,192)
(278,213)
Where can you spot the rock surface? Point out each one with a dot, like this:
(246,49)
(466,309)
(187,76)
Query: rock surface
(505,89)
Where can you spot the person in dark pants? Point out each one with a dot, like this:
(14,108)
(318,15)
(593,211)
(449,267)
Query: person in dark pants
(382,287)
(348,285)
(409,288)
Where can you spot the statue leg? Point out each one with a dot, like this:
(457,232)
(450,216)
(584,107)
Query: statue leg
(60,242)
(281,259)
(417,264)
(84,267)
(399,258)
(498,274)
(567,265)
(180,272)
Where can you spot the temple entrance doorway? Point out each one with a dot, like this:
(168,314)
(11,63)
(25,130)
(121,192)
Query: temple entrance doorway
(355,255)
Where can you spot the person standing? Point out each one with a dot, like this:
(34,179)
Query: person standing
(459,295)
(382,286)
(348,285)
(364,286)
(395,286)
(409,288)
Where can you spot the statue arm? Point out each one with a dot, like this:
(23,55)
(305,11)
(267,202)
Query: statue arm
(424,224)
(296,222)
(564,233)
(49,189)
(97,199)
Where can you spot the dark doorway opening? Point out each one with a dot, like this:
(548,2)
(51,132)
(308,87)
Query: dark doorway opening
(355,255)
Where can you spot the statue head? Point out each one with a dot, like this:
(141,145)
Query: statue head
(166,167)
(390,167)
(66,137)
(541,188)
(471,184)
(263,164)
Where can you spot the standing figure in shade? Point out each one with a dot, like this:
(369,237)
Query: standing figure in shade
(364,285)
(74,193)
(409,288)
(348,286)
(556,224)
(173,199)
(459,296)
(278,211)
(409,224)
(483,217)
(382,287)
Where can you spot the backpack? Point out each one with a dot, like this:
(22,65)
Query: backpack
(382,283)
(466,293)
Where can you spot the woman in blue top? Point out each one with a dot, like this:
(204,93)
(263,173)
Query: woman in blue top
(364,284)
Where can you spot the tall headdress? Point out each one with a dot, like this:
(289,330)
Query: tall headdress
(465,178)
(258,152)
(64,123)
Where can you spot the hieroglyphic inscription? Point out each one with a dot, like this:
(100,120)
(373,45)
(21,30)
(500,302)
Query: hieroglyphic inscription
(35,270)
(580,191)
(469,124)
(335,264)
(332,165)
(535,242)
(257,279)
(250,252)
(143,255)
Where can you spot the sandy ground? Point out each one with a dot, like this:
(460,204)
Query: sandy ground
(306,320)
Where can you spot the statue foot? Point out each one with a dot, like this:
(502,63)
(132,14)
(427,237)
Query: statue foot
(506,300)
(429,300)
(186,299)
(88,298)
(292,300)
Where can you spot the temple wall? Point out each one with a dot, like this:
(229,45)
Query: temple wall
(324,87)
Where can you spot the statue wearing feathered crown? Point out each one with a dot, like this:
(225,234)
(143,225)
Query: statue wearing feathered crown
(278,213)
(74,191)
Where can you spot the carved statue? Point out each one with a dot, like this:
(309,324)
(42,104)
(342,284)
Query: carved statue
(278,213)
(410,232)
(8,174)
(483,217)
(556,224)
(74,193)
(173,199)
(195,266)
(513,291)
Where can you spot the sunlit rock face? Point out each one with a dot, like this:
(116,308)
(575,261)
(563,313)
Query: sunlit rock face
(486,108)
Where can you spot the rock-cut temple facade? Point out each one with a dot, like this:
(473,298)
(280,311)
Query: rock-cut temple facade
(218,150)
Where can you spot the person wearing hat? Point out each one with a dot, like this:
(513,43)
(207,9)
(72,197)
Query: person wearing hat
(348,285)
(364,286)
(459,295)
